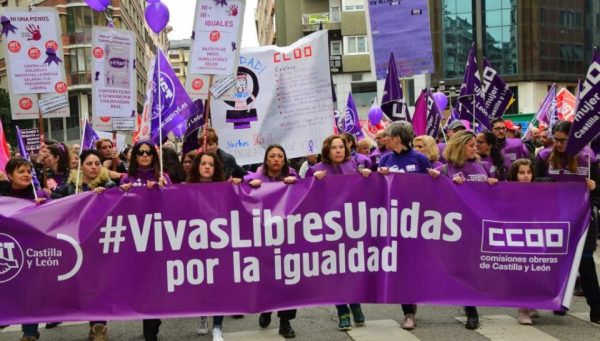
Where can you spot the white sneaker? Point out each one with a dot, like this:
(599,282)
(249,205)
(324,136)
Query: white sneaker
(202,326)
(217,334)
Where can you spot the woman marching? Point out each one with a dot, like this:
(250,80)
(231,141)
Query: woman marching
(489,151)
(144,170)
(556,164)
(463,166)
(337,160)
(275,168)
(207,167)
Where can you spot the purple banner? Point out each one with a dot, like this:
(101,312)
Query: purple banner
(434,116)
(392,103)
(410,42)
(218,248)
(586,125)
(548,108)
(347,121)
(176,105)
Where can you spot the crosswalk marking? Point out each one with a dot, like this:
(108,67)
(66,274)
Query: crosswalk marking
(381,330)
(585,317)
(506,328)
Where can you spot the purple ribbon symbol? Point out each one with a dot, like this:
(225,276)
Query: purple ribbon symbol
(52,57)
(233,46)
(6,26)
(311,146)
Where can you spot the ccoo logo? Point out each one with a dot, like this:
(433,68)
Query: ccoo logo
(11,258)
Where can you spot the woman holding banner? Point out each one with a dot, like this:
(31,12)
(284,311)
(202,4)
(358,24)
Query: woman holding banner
(275,168)
(19,185)
(337,160)
(489,151)
(403,159)
(554,163)
(55,160)
(463,166)
(207,167)
(426,145)
(144,171)
(360,159)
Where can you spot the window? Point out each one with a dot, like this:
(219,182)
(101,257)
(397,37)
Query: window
(355,45)
(335,48)
(353,5)
(458,35)
(500,35)
(335,14)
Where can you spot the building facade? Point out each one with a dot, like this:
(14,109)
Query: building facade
(264,17)
(531,43)
(77,20)
(179,56)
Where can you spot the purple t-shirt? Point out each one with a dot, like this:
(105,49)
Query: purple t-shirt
(515,149)
(265,178)
(408,161)
(142,177)
(348,167)
(472,170)
(376,156)
(562,174)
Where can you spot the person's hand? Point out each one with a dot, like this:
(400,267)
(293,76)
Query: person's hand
(162,182)
(99,190)
(3,176)
(235,181)
(47,191)
(492,181)
(115,155)
(42,153)
(107,163)
(365,172)
(255,183)
(125,187)
(434,173)
(591,184)
(289,180)
(320,174)
(39,200)
(458,179)
(383,170)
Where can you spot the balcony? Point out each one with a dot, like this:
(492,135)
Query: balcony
(312,21)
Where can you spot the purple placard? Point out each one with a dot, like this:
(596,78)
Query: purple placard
(410,42)
(526,238)
(217,248)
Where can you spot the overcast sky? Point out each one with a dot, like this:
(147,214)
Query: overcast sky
(182,20)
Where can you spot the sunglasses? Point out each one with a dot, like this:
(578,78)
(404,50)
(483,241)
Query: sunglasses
(144,152)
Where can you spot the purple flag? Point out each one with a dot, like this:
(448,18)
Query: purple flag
(89,137)
(393,95)
(193,124)
(176,105)
(419,120)
(25,155)
(347,121)
(586,125)
(496,94)
(434,116)
(201,249)
(470,90)
(548,108)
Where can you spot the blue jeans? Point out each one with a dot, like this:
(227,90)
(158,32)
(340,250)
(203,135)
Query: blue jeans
(30,329)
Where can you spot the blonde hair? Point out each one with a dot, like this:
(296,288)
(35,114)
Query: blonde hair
(363,144)
(455,151)
(431,149)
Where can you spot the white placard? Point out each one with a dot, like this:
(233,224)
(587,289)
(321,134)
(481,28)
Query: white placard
(33,52)
(114,86)
(222,85)
(50,104)
(123,123)
(217,35)
(102,123)
(282,95)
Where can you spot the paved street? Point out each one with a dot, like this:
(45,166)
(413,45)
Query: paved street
(383,323)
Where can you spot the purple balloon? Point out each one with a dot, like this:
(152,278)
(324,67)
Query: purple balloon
(98,5)
(441,100)
(375,115)
(157,16)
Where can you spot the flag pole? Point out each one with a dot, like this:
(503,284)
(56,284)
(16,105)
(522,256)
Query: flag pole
(473,127)
(207,111)
(19,143)
(160,109)
(79,159)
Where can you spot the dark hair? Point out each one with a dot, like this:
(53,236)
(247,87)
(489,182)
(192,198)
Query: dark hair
(514,169)
(133,164)
(101,141)
(558,159)
(123,154)
(211,136)
(404,130)
(15,163)
(327,148)
(350,139)
(497,120)
(495,154)
(172,165)
(219,174)
(285,170)
(61,151)
(84,154)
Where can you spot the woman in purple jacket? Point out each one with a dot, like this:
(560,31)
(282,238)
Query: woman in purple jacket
(144,170)
(275,168)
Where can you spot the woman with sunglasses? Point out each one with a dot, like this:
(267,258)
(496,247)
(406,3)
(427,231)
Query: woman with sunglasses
(144,171)
(556,165)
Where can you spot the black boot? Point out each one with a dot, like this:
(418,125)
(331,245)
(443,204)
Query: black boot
(472,318)
(286,330)
(264,320)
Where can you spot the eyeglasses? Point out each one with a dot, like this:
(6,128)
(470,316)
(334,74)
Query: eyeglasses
(559,139)
(144,152)
(481,141)
(500,128)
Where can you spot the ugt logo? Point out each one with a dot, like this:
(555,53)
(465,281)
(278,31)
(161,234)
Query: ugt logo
(345,120)
(11,258)
(167,92)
